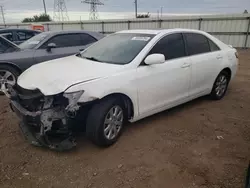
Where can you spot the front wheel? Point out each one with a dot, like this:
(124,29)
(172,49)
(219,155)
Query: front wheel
(220,86)
(8,78)
(105,121)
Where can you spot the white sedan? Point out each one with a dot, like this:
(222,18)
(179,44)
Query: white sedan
(126,76)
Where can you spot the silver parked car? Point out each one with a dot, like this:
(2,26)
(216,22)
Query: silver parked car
(42,47)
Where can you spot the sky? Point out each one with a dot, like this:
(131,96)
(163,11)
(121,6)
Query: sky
(16,10)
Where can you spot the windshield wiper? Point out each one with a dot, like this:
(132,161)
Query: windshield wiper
(91,58)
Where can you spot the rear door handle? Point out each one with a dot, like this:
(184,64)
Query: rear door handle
(185,65)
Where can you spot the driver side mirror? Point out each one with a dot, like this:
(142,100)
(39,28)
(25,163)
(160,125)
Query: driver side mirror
(50,46)
(155,59)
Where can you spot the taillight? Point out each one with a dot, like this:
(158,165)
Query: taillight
(237,55)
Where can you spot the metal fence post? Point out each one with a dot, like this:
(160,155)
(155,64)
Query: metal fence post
(247,34)
(159,23)
(102,27)
(82,28)
(200,20)
(129,24)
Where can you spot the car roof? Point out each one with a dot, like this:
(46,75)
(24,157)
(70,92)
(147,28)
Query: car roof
(92,33)
(17,29)
(160,31)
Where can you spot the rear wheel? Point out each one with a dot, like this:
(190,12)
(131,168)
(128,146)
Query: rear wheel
(8,78)
(220,86)
(105,121)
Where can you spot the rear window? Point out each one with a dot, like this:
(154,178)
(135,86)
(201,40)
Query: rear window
(196,43)
(24,35)
(213,46)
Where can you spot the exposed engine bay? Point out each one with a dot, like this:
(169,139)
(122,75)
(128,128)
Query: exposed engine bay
(45,120)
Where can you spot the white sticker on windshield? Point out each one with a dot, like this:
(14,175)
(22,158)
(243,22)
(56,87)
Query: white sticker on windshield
(141,38)
(34,42)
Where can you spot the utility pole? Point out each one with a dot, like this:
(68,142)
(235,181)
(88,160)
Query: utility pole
(44,5)
(60,11)
(2,11)
(93,14)
(161,11)
(136,9)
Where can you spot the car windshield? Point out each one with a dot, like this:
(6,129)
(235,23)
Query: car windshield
(34,41)
(119,48)
(7,46)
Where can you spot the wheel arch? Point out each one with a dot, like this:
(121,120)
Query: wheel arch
(228,70)
(126,100)
(12,65)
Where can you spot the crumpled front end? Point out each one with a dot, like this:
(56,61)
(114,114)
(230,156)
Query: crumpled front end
(45,120)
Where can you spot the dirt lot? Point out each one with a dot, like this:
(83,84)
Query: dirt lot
(178,148)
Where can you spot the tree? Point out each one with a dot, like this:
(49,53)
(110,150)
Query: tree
(245,12)
(38,18)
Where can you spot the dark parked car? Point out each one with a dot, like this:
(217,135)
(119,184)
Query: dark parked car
(42,47)
(18,36)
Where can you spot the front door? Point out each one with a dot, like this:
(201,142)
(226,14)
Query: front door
(166,84)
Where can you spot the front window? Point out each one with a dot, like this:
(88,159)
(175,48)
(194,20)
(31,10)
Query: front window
(171,46)
(119,48)
(34,41)
(64,40)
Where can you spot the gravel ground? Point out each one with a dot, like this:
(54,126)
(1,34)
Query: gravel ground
(202,144)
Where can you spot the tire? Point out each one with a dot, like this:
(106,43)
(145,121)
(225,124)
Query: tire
(97,118)
(248,177)
(216,93)
(10,69)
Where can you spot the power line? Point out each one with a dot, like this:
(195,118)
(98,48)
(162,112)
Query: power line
(60,11)
(93,15)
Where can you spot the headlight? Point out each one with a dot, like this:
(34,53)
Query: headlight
(74,96)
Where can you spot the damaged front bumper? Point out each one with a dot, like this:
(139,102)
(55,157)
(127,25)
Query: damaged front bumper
(48,127)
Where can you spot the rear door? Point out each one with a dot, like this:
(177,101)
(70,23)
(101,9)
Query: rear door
(66,44)
(205,57)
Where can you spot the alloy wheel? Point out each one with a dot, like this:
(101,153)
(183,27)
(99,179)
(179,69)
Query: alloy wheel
(113,122)
(221,85)
(6,79)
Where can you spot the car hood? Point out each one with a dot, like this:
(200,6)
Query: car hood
(53,77)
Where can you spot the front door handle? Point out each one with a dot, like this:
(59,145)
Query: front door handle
(185,65)
(219,57)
